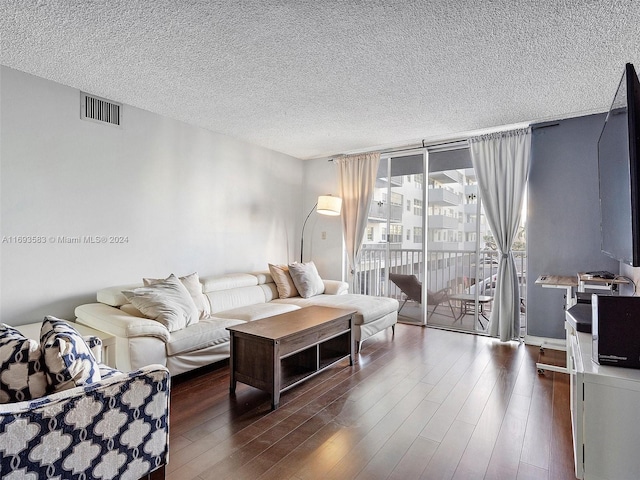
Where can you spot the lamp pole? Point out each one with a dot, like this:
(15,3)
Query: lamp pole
(302,236)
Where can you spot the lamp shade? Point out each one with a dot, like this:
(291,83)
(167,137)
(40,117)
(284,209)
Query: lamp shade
(329,205)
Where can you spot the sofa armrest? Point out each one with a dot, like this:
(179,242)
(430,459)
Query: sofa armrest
(115,428)
(335,287)
(116,322)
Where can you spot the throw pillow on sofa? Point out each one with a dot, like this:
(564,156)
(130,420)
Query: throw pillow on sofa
(194,287)
(22,375)
(306,279)
(167,302)
(284,283)
(68,359)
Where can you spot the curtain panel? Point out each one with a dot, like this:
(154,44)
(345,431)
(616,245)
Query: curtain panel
(357,176)
(501,161)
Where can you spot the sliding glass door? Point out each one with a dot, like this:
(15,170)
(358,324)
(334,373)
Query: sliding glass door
(457,263)
(393,252)
(428,243)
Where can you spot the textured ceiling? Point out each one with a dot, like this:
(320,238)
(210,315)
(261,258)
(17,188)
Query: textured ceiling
(314,78)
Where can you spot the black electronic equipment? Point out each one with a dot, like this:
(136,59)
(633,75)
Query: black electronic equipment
(619,173)
(615,329)
(601,274)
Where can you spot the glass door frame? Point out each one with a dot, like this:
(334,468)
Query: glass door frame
(388,157)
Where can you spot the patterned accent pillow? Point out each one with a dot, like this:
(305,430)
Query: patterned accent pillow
(68,359)
(307,279)
(21,371)
(108,372)
(167,302)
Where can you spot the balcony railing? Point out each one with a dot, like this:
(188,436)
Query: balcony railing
(463,271)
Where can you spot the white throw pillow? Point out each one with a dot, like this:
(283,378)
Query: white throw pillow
(306,279)
(167,302)
(194,287)
(284,282)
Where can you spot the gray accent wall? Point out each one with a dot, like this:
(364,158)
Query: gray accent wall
(563,222)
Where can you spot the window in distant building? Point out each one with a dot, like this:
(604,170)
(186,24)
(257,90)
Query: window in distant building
(408,205)
(395,233)
(408,234)
(417,234)
(417,207)
(370,234)
(419,179)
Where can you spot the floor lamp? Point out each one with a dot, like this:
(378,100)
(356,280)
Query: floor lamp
(326,205)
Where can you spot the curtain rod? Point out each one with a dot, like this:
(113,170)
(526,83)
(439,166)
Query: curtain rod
(436,147)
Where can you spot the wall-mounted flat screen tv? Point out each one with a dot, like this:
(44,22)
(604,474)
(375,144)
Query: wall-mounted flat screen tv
(619,173)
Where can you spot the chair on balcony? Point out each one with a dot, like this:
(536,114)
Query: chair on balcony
(412,289)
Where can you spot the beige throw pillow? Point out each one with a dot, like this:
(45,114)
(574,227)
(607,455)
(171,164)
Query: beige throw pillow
(166,301)
(284,282)
(194,287)
(306,279)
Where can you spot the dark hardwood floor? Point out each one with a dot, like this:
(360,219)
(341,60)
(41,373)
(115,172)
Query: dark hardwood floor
(424,403)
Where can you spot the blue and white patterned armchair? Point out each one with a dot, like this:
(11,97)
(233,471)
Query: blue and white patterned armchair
(114,428)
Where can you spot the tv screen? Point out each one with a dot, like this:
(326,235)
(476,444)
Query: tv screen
(619,173)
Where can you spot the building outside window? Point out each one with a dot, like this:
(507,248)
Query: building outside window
(417,235)
(417,207)
(419,180)
(395,233)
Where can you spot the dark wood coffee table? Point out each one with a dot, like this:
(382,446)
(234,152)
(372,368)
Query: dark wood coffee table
(274,354)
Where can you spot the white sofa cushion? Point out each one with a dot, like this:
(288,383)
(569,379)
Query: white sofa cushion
(214,283)
(208,331)
(119,323)
(258,311)
(113,295)
(335,287)
(367,308)
(224,300)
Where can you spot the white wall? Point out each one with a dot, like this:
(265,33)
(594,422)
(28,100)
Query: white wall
(186,199)
(321,178)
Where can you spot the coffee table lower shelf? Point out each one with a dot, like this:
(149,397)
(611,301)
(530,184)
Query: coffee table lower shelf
(277,353)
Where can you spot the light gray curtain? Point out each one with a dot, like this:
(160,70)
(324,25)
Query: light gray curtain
(357,175)
(501,162)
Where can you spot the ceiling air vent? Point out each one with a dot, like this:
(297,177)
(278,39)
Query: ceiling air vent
(99,109)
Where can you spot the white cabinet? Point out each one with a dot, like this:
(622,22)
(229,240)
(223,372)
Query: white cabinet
(605,413)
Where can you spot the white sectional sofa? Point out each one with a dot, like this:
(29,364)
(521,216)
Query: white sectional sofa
(233,299)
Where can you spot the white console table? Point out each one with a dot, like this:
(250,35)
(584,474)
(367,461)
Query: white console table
(568,283)
(605,413)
